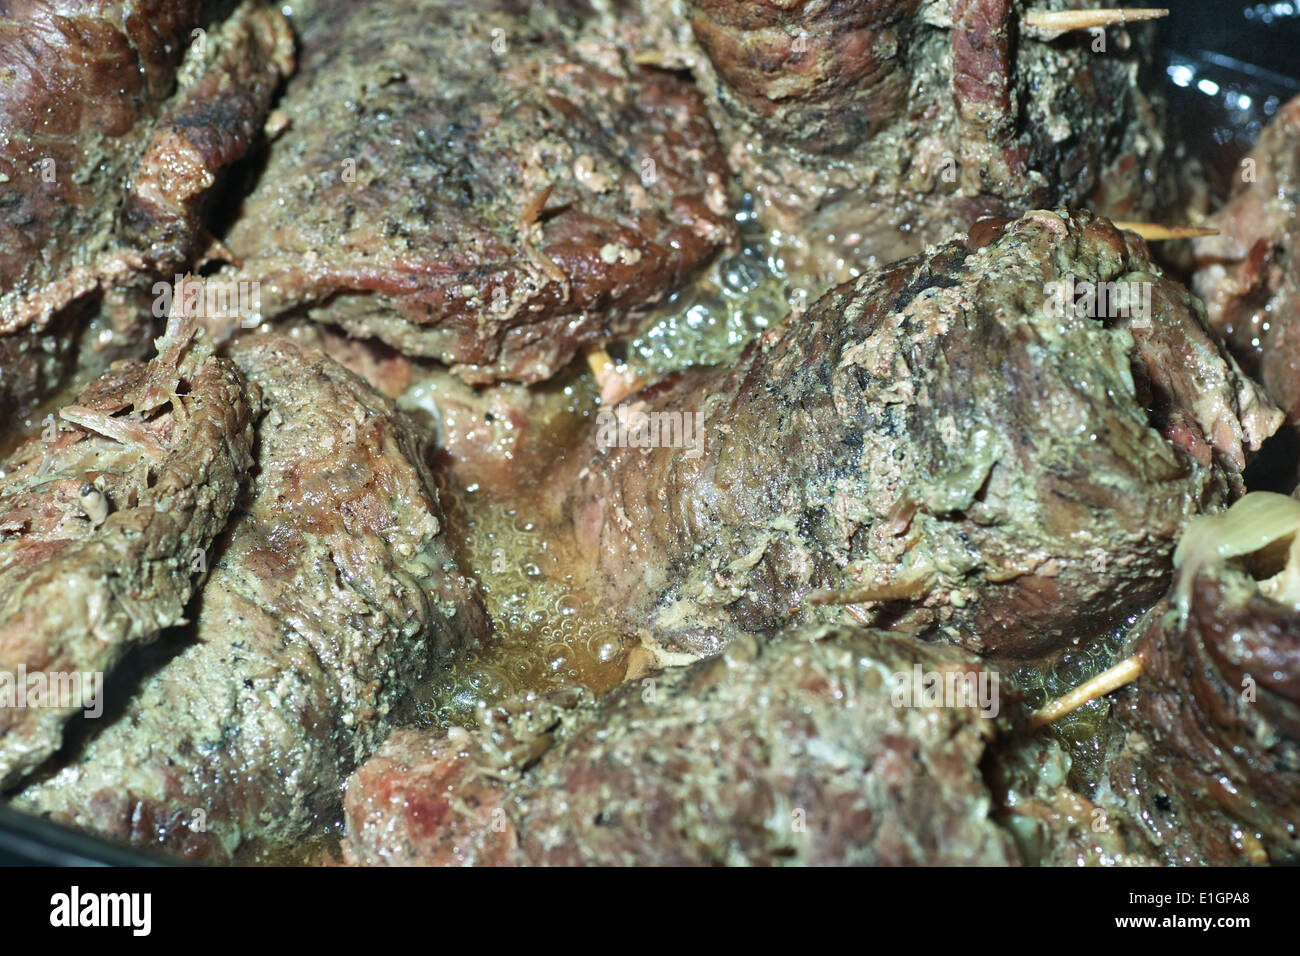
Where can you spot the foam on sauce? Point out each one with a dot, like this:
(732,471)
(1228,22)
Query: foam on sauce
(546,633)
(722,311)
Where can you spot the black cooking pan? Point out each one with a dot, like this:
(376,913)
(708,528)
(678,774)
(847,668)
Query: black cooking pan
(28,841)
(1227,67)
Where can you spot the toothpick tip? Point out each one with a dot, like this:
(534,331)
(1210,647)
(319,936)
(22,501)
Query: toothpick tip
(598,361)
(1111,679)
(1050,24)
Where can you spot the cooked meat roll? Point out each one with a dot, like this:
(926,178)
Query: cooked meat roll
(960,443)
(103,524)
(868,130)
(1249,274)
(330,598)
(1205,749)
(811,750)
(496,207)
(117,119)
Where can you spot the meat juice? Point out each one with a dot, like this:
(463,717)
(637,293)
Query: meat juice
(548,632)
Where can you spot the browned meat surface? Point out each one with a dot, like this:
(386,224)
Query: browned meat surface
(819,76)
(332,596)
(117,119)
(929,446)
(1205,751)
(100,524)
(796,753)
(492,438)
(495,208)
(868,130)
(1249,274)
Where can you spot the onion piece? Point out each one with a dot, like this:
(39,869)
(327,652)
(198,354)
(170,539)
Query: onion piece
(1258,520)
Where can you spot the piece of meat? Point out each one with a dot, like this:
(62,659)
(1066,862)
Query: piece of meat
(497,208)
(330,599)
(818,76)
(1249,274)
(803,752)
(929,446)
(1205,747)
(495,438)
(101,521)
(867,131)
(117,119)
